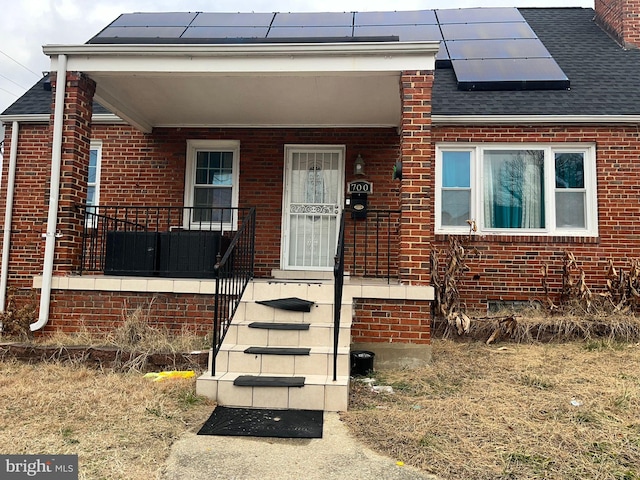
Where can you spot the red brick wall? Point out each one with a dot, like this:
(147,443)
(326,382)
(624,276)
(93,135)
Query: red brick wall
(33,168)
(101,312)
(391,321)
(621,18)
(417,172)
(508,267)
(74,168)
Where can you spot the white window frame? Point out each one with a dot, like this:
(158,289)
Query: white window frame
(97,146)
(193,147)
(476,151)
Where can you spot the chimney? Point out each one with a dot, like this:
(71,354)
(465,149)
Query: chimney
(621,19)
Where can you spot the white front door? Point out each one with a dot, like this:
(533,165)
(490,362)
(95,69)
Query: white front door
(313,197)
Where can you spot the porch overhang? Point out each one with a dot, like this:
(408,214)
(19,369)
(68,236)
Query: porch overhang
(256,85)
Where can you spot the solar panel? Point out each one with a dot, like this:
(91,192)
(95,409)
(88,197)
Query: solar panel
(488,48)
(313,19)
(479,15)
(232,20)
(509,74)
(514,48)
(487,31)
(415,17)
(161,19)
(140,32)
(310,32)
(234,32)
(404,33)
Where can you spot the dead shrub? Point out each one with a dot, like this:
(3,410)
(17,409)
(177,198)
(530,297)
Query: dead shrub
(575,312)
(18,315)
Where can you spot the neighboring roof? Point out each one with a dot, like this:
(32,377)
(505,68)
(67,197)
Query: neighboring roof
(605,78)
(37,101)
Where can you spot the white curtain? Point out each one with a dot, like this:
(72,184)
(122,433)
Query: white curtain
(513,192)
(532,197)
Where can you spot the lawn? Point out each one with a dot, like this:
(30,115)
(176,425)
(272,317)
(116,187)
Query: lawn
(119,424)
(505,411)
(508,411)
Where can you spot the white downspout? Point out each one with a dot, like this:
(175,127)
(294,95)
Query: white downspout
(8,215)
(54,194)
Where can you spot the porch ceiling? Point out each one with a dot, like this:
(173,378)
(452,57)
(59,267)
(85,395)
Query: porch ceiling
(161,100)
(295,85)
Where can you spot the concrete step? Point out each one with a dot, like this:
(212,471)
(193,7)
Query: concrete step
(318,335)
(319,392)
(264,346)
(319,361)
(319,314)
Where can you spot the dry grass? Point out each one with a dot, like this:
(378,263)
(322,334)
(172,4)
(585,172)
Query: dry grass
(136,333)
(120,425)
(529,325)
(505,411)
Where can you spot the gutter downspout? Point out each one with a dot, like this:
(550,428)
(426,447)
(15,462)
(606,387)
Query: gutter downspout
(54,194)
(8,215)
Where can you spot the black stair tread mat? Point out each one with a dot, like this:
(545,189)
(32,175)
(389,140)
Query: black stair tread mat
(294,304)
(279,325)
(255,381)
(278,350)
(264,422)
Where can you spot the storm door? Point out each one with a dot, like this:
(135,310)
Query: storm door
(313,196)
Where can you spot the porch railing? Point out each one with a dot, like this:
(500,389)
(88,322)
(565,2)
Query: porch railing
(373,244)
(338,276)
(157,240)
(233,271)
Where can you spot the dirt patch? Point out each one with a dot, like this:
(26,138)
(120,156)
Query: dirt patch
(105,357)
(510,411)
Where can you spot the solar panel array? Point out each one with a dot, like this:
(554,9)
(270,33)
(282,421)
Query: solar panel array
(488,48)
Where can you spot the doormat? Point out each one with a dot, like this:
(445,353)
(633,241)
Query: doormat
(259,422)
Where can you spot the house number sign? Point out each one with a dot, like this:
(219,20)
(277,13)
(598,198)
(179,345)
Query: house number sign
(360,186)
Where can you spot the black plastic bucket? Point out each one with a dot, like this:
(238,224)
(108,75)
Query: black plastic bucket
(361,362)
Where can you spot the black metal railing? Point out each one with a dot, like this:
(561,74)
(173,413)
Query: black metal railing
(373,244)
(157,240)
(233,271)
(338,276)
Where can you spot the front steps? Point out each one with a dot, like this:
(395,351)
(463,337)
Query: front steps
(280,354)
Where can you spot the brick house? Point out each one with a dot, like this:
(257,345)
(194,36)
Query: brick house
(198,165)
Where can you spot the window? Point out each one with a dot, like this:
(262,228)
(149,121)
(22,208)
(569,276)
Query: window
(93,180)
(517,189)
(211,184)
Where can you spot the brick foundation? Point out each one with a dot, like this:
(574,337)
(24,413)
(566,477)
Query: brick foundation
(101,312)
(391,321)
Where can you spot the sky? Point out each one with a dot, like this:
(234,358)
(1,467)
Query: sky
(27,25)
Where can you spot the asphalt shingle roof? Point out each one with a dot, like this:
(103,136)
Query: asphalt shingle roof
(37,101)
(605,78)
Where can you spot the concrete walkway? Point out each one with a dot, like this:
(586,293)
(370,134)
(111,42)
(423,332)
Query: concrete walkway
(335,456)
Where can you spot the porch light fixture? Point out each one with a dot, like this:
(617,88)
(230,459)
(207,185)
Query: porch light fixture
(358,166)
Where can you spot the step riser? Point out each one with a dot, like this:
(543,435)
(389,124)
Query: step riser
(316,336)
(314,364)
(315,292)
(319,314)
(331,398)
